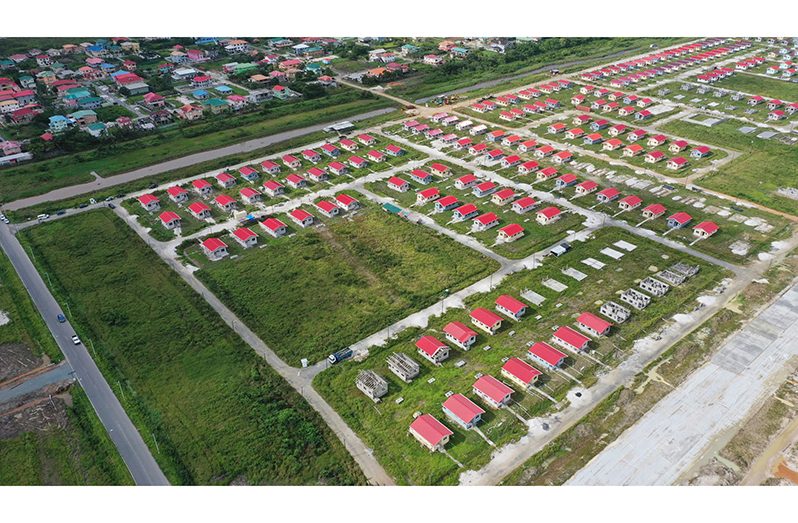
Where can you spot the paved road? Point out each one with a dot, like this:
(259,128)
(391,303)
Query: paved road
(673,435)
(301,382)
(178,163)
(123,433)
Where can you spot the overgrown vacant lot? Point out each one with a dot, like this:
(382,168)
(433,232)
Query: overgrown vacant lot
(220,414)
(765,166)
(384,426)
(763,86)
(75,453)
(330,286)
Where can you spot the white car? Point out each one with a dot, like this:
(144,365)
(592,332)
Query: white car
(75,339)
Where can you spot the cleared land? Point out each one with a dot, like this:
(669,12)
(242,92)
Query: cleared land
(766,166)
(384,426)
(43,176)
(210,409)
(327,287)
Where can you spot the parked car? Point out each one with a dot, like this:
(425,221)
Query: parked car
(111,206)
(61,212)
(83,205)
(75,339)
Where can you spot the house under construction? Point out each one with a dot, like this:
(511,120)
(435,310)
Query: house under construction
(403,366)
(371,384)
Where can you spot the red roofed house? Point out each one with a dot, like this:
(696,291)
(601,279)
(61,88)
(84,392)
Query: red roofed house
(570,339)
(633,149)
(678,146)
(654,156)
(327,208)
(225,203)
(348,144)
(311,155)
(199,210)
(274,227)
(586,187)
(202,187)
(446,203)
(511,307)
(484,189)
(246,237)
(462,411)
(460,335)
(546,355)
(250,195)
(548,215)
(465,182)
(495,393)
(700,151)
(705,229)
(225,180)
(177,194)
(337,168)
(679,220)
(419,176)
(149,202)
(296,181)
(346,202)
(520,372)
(170,220)
(301,217)
(375,156)
(465,212)
(676,163)
(357,162)
(214,248)
(485,221)
(366,139)
(503,196)
(432,349)
(592,324)
(427,195)
(273,188)
(627,203)
(510,233)
(486,320)
(248,173)
(270,167)
(430,432)
(439,169)
(316,174)
(291,161)
(522,205)
(655,210)
(398,184)
(607,195)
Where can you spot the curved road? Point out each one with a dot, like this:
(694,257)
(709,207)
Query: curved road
(178,163)
(123,433)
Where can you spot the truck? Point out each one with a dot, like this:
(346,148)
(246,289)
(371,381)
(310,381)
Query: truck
(340,355)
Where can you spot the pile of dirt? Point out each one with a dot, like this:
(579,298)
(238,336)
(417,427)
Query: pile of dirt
(17,359)
(44,410)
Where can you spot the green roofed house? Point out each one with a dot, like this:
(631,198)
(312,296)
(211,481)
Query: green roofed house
(216,105)
(458,51)
(90,102)
(245,68)
(27,82)
(5,63)
(314,67)
(96,129)
(84,117)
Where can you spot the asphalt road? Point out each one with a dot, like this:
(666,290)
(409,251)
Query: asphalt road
(679,431)
(178,163)
(123,433)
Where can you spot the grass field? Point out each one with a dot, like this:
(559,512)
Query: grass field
(330,286)
(785,91)
(219,414)
(384,426)
(766,166)
(40,177)
(79,453)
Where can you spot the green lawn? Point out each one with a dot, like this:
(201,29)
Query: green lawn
(384,426)
(218,413)
(40,177)
(79,453)
(328,287)
(765,166)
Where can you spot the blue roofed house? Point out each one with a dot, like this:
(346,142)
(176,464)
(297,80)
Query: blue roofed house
(201,94)
(107,68)
(59,123)
(223,89)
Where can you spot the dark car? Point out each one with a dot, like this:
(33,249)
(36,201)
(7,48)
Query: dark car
(111,206)
(83,205)
(61,212)
(61,318)
(152,186)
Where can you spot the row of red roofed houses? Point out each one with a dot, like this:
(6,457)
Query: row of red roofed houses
(216,249)
(672,60)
